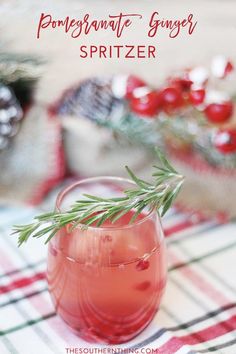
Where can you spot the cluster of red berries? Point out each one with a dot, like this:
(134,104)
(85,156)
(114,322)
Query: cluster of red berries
(189,89)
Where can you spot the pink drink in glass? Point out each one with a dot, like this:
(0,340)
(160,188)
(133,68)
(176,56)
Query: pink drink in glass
(107,282)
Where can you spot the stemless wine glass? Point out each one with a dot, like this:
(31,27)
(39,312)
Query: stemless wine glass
(107,282)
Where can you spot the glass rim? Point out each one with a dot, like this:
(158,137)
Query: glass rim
(71,186)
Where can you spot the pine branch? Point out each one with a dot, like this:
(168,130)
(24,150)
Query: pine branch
(95,210)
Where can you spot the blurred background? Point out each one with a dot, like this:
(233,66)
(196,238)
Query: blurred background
(48,147)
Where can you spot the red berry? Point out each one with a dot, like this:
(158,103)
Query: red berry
(147,105)
(225,141)
(183,84)
(196,97)
(228,69)
(219,112)
(52,250)
(142,265)
(133,82)
(171,98)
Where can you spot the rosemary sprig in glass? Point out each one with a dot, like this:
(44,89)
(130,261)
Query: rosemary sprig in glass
(95,210)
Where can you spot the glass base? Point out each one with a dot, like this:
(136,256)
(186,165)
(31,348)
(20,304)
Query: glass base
(91,335)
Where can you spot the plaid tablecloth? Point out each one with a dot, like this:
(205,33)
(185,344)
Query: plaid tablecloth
(197,315)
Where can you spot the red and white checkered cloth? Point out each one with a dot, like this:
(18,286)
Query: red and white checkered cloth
(198,311)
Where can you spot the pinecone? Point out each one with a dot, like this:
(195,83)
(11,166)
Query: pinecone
(10,116)
(92,99)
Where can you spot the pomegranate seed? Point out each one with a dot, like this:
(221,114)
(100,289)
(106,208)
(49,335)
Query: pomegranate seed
(52,250)
(171,99)
(133,83)
(142,265)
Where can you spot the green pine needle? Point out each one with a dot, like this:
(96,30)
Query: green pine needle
(158,195)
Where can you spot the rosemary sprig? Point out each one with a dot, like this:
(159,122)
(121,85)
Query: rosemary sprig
(158,195)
